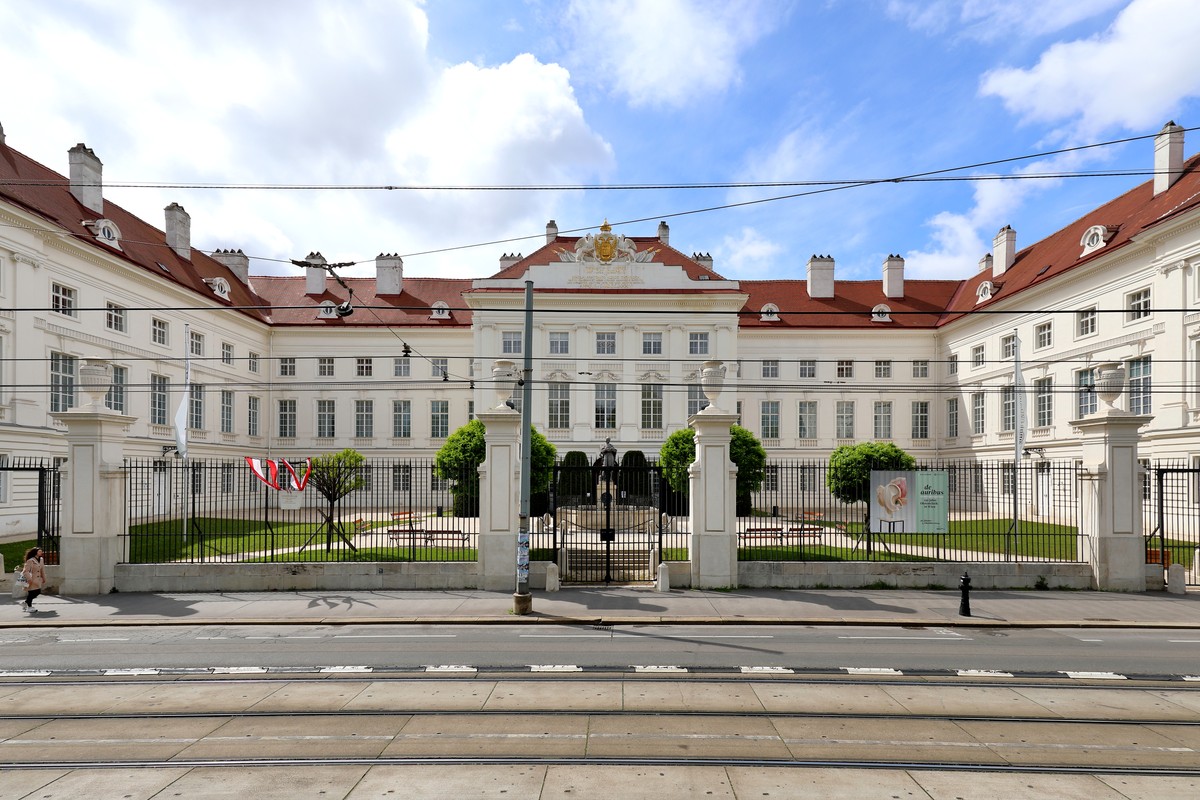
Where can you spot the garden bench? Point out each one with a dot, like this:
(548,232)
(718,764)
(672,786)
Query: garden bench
(781,534)
(427,536)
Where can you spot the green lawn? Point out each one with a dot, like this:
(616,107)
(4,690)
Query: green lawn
(816,552)
(374,554)
(1032,540)
(14,553)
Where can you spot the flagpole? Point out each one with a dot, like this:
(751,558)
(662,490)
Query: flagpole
(181,421)
(1019,434)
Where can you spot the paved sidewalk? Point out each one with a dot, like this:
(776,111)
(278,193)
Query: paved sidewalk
(620,605)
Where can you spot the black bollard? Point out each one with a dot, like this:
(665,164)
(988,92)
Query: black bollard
(964,605)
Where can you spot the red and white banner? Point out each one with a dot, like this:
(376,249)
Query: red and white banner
(280,474)
(265,470)
(293,481)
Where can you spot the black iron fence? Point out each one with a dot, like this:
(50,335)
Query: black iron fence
(31,489)
(1171,515)
(997,512)
(223,511)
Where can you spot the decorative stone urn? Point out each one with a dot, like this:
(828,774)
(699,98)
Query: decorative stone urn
(712,381)
(504,381)
(95,378)
(1110,382)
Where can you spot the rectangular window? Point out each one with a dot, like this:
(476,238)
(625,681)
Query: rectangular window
(652,406)
(1137,305)
(401,366)
(560,406)
(1008,475)
(652,344)
(845,419)
(364,367)
(770,369)
(226,411)
(1008,345)
(1085,392)
(606,343)
(160,390)
(364,419)
(920,419)
(115,317)
(252,362)
(441,367)
(1139,385)
(845,369)
(808,368)
(63,369)
(160,331)
(226,353)
(226,478)
(287,367)
(287,419)
(698,344)
(510,342)
(771,478)
(920,369)
(952,364)
(1008,408)
(883,419)
(606,406)
(883,369)
(326,419)
(196,344)
(769,419)
(196,407)
(439,418)
(324,367)
(1043,335)
(977,356)
(115,399)
(977,414)
(806,419)
(952,418)
(560,343)
(63,300)
(402,419)
(1085,322)
(696,401)
(252,408)
(1043,402)
(401,477)
(470,410)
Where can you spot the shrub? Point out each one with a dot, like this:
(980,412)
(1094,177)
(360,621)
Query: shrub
(459,458)
(745,451)
(849,476)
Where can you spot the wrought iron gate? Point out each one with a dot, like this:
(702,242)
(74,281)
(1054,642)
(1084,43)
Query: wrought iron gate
(1175,537)
(607,523)
(26,482)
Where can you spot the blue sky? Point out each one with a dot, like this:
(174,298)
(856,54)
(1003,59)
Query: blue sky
(601,92)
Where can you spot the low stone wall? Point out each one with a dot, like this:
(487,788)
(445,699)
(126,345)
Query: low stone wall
(909,575)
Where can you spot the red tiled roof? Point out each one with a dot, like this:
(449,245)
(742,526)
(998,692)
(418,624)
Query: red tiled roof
(921,306)
(411,308)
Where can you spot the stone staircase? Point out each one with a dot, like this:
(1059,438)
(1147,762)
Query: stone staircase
(586,565)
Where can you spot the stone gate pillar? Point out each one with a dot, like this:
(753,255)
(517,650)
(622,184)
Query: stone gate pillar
(93,487)
(1111,505)
(712,478)
(499,500)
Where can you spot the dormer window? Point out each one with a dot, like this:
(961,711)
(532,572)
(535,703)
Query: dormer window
(106,231)
(1094,238)
(327,310)
(440,310)
(770,313)
(881,313)
(220,287)
(984,292)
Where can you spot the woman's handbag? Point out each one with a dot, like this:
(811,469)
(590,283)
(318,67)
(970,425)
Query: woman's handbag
(20,584)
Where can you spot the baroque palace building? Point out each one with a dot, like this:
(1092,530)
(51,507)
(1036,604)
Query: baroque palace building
(622,326)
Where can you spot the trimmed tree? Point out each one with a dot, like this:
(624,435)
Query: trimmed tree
(633,481)
(336,475)
(574,478)
(849,475)
(459,458)
(745,451)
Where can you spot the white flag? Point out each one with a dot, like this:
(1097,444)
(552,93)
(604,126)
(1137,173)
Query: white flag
(181,413)
(1018,394)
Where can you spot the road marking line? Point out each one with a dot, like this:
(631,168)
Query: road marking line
(1105,676)
(1091,640)
(768,670)
(239,670)
(983,673)
(210,638)
(1191,677)
(714,636)
(872,671)
(60,641)
(1184,641)
(565,636)
(395,635)
(150,671)
(346,669)
(554,668)
(30,673)
(450,668)
(657,668)
(909,638)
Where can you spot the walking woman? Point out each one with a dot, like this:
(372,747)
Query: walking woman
(35,574)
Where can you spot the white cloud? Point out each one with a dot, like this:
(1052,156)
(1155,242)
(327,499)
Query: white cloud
(992,20)
(747,255)
(1133,76)
(665,52)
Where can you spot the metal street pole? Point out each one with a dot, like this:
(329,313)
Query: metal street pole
(522,599)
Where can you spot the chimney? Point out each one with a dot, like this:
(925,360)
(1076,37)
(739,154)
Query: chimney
(664,232)
(820,276)
(893,276)
(314,277)
(179,230)
(508,259)
(703,259)
(1168,157)
(1004,250)
(389,275)
(87,174)
(551,231)
(236,261)
(985,263)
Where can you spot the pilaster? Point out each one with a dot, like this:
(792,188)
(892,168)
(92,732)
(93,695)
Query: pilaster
(499,500)
(712,477)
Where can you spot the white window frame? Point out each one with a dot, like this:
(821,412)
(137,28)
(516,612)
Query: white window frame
(769,419)
(226,353)
(64,299)
(364,367)
(920,419)
(559,343)
(652,343)
(920,368)
(439,419)
(770,368)
(510,343)
(605,407)
(844,419)
(1043,402)
(116,317)
(1138,305)
(287,367)
(559,406)
(286,418)
(652,406)
(883,368)
(196,344)
(401,367)
(807,368)
(364,419)
(160,331)
(882,419)
(253,415)
(606,343)
(115,397)
(977,356)
(226,411)
(806,419)
(402,419)
(845,368)
(325,366)
(1087,322)
(1043,335)
(698,343)
(326,418)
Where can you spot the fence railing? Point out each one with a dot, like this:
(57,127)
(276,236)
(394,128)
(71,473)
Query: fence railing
(1171,516)
(210,510)
(32,488)
(795,517)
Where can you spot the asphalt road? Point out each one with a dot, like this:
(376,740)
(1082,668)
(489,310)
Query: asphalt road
(1125,651)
